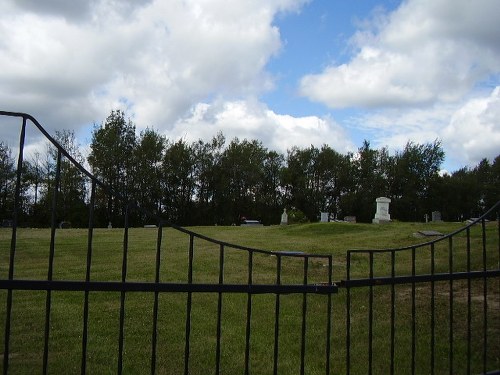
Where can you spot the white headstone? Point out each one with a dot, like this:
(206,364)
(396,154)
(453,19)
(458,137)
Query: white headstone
(436,216)
(382,214)
(324,217)
(284,217)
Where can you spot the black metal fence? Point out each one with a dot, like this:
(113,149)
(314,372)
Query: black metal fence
(434,306)
(206,306)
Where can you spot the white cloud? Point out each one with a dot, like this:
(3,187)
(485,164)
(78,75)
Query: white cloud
(70,66)
(253,120)
(425,51)
(473,132)
(469,130)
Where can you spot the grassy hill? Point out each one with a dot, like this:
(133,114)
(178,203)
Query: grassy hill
(70,258)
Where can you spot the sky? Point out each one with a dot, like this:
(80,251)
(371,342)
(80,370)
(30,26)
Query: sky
(285,72)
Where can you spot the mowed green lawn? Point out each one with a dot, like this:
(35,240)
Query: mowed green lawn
(28,312)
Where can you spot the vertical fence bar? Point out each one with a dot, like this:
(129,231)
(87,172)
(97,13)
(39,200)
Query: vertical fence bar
(393,310)
(450,259)
(87,279)
(370,318)
(485,299)
(48,300)
(433,306)
(498,253)
(277,316)
(348,316)
(188,306)
(249,314)
(304,315)
(413,313)
(15,219)
(219,310)
(329,316)
(156,297)
(122,294)
(469,303)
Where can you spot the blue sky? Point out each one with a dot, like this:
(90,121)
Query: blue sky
(285,72)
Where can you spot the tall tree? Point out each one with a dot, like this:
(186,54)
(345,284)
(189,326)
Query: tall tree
(416,171)
(7,181)
(72,187)
(370,177)
(270,197)
(178,171)
(301,180)
(207,156)
(240,175)
(111,159)
(148,156)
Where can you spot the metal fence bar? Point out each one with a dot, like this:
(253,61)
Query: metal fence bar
(469,302)
(189,306)
(370,318)
(132,286)
(451,316)
(48,300)
(13,242)
(219,310)
(90,236)
(348,314)
(485,296)
(249,314)
(413,314)
(154,337)
(433,308)
(122,294)
(277,317)
(393,310)
(329,317)
(304,320)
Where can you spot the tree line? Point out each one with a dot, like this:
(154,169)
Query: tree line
(220,182)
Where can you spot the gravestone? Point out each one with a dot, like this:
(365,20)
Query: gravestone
(109,225)
(64,225)
(350,219)
(284,217)
(436,216)
(382,215)
(324,217)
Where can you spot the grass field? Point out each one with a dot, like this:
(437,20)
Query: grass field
(32,257)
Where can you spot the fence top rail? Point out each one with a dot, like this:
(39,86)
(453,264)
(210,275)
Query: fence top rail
(429,243)
(134,206)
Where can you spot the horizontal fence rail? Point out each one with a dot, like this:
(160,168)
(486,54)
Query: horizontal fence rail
(169,300)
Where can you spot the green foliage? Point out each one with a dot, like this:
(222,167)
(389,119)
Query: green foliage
(219,182)
(296,216)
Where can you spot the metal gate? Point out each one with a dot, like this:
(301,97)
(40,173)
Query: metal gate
(429,308)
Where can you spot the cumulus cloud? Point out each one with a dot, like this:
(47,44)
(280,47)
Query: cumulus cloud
(70,65)
(424,51)
(253,120)
(473,132)
(469,130)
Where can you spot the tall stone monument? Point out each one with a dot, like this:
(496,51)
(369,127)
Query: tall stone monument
(284,217)
(382,215)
